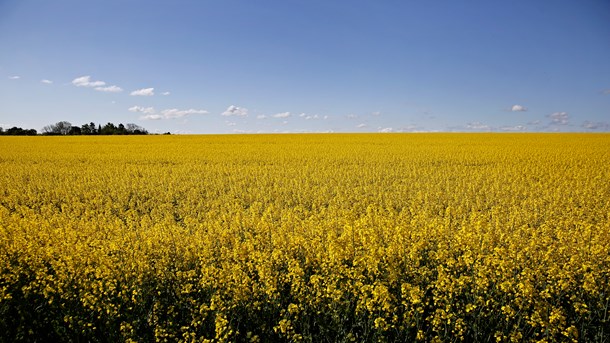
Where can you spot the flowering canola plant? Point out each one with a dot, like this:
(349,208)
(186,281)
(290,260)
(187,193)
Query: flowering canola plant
(338,238)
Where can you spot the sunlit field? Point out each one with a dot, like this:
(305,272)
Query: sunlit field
(314,238)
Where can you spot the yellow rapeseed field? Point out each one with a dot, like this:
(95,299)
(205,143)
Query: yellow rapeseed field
(316,238)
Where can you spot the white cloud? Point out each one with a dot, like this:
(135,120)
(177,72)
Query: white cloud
(281,115)
(477,126)
(261,116)
(309,117)
(376,113)
(85,81)
(143,92)
(166,93)
(235,111)
(145,110)
(230,123)
(559,118)
(302,115)
(534,122)
(325,117)
(386,130)
(173,113)
(151,117)
(603,126)
(361,125)
(16,77)
(109,89)
(513,128)
(45,81)
(176,113)
(518,108)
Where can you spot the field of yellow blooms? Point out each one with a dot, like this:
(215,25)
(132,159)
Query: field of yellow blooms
(314,238)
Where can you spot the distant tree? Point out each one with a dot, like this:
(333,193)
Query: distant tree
(85,129)
(65,128)
(134,129)
(120,130)
(48,130)
(60,128)
(108,129)
(15,131)
(75,130)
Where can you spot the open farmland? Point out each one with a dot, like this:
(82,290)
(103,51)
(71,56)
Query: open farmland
(342,237)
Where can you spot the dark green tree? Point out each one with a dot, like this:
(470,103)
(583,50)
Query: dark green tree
(75,130)
(120,130)
(108,129)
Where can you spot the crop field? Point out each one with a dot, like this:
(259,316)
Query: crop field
(312,237)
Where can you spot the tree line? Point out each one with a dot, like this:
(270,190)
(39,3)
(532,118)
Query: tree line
(66,128)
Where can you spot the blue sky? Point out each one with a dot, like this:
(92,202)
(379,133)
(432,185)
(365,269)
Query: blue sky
(235,66)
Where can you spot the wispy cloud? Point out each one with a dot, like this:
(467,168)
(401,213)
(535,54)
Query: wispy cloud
(386,130)
(176,113)
(149,113)
(145,110)
(606,91)
(166,93)
(14,77)
(152,116)
(281,115)
(143,92)
(518,108)
(241,131)
(411,128)
(376,113)
(261,116)
(478,126)
(513,128)
(235,111)
(109,89)
(351,116)
(602,126)
(361,125)
(312,116)
(85,81)
(45,81)
(559,118)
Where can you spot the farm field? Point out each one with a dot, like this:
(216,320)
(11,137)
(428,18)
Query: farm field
(311,237)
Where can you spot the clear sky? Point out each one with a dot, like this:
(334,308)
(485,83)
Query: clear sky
(229,66)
